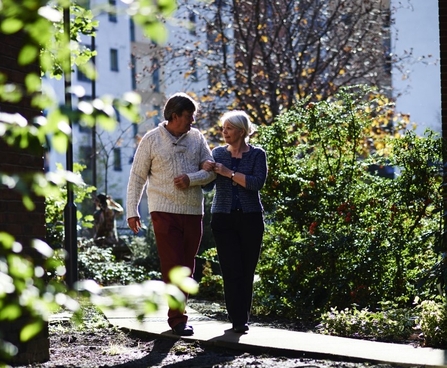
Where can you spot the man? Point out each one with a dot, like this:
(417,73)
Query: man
(168,160)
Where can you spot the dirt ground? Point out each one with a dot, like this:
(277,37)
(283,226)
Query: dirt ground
(110,347)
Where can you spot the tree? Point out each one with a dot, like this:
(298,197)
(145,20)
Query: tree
(262,55)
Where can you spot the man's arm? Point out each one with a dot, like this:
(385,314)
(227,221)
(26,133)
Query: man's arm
(139,172)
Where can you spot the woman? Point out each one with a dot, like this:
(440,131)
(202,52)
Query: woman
(237,213)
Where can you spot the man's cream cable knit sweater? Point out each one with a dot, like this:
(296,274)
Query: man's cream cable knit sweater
(159,158)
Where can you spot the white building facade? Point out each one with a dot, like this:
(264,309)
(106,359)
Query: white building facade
(126,61)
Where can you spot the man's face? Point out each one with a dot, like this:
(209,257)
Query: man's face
(184,121)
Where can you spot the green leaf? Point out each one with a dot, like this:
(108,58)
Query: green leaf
(60,143)
(189,285)
(7,240)
(156,31)
(32,82)
(28,54)
(10,312)
(28,203)
(31,330)
(178,274)
(106,122)
(11,25)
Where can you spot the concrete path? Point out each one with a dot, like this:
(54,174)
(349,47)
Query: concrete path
(263,339)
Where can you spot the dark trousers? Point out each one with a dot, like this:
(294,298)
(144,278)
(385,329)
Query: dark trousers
(238,238)
(178,239)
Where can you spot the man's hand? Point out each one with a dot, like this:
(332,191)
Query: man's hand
(182,181)
(134,224)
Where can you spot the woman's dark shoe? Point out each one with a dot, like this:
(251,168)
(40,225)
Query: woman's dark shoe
(182,329)
(240,328)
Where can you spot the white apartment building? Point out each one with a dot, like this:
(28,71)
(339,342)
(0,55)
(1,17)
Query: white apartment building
(127,61)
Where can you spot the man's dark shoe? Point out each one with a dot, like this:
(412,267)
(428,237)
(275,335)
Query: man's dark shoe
(182,329)
(240,328)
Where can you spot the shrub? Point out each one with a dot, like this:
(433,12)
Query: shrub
(99,264)
(337,232)
(211,282)
(432,321)
(54,210)
(388,324)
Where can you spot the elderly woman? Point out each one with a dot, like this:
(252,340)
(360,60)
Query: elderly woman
(237,213)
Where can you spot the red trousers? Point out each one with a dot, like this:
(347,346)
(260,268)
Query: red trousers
(178,239)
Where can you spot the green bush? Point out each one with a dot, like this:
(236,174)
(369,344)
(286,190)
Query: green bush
(144,250)
(337,232)
(55,205)
(388,324)
(100,265)
(211,282)
(432,322)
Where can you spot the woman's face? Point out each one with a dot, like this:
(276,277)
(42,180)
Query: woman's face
(231,134)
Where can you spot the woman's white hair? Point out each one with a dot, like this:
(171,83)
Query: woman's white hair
(240,120)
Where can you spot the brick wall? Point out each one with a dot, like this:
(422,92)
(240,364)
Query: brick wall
(14,218)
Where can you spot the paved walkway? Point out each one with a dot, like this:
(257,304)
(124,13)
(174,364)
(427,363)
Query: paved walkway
(263,339)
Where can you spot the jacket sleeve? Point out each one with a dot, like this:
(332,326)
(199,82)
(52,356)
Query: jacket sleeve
(257,180)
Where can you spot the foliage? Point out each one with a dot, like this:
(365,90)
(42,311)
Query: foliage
(211,281)
(99,264)
(90,320)
(25,293)
(263,56)
(432,321)
(55,205)
(338,232)
(388,324)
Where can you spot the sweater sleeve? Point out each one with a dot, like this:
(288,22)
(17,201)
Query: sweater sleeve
(138,177)
(202,177)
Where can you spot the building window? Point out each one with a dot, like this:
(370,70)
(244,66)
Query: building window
(193,69)
(132,30)
(133,72)
(157,119)
(117,159)
(156,75)
(85,158)
(192,23)
(112,11)
(114,60)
